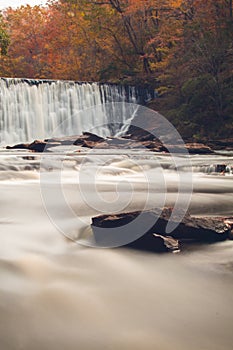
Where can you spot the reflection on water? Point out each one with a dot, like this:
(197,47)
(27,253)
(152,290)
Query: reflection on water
(56,294)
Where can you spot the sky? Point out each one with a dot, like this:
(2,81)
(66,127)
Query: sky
(17,3)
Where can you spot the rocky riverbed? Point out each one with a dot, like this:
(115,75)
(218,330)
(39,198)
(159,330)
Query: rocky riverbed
(139,139)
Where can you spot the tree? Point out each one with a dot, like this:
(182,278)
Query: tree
(138,31)
(4,37)
(200,73)
(26,28)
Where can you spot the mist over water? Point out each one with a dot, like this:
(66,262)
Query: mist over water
(56,294)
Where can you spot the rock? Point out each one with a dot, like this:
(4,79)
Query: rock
(204,229)
(29,157)
(144,136)
(198,148)
(42,146)
(220,168)
(156,243)
(93,137)
(90,144)
(223,144)
(154,146)
(150,241)
(229,222)
(119,142)
(88,139)
(102,145)
(64,141)
(139,138)
(136,133)
(19,146)
(37,146)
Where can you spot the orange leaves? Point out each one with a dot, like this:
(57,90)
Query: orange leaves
(45,41)
(87,39)
(76,40)
(176,3)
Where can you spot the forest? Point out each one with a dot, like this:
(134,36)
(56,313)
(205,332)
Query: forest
(183,49)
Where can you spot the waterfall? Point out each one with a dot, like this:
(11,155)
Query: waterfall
(36,109)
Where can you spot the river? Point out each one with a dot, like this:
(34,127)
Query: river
(57,293)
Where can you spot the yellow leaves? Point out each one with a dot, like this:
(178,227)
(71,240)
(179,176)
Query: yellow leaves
(176,3)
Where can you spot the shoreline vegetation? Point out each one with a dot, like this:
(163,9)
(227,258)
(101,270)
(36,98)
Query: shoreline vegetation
(182,49)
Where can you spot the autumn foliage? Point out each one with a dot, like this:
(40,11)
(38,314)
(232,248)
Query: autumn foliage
(183,48)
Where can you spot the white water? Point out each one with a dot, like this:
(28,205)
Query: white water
(33,109)
(56,294)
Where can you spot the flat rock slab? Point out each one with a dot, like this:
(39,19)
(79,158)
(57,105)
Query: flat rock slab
(35,146)
(198,148)
(153,223)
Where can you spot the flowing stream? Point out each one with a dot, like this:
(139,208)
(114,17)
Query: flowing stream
(57,293)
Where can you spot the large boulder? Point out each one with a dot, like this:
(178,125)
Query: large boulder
(136,133)
(201,229)
(87,139)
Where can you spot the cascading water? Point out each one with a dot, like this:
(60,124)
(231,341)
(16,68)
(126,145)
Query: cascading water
(31,109)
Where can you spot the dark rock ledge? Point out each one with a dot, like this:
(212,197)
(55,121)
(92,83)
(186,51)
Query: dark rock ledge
(187,231)
(140,140)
